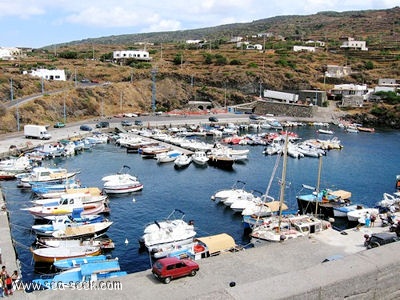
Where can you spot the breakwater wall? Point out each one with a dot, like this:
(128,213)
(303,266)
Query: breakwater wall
(284,109)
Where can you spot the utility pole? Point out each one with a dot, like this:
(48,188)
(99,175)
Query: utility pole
(153,89)
(42,84)
(18,117)
(11,90)
(120,102)
(64,113)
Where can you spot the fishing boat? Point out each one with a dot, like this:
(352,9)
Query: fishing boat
(62,222)
(87,272)
(69,263)
(278,227)
(82,230)
(321,202)
(104,243)
(46,175)
(65,207)
(45,190)
(51,254)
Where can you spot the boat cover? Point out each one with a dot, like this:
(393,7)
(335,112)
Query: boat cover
(342,194)
(218,243)
(274,206)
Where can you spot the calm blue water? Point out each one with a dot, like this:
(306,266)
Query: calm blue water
(366,166)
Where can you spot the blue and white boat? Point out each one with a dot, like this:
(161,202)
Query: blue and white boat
(87,272)
(69,263)
(62,222)
(44,190)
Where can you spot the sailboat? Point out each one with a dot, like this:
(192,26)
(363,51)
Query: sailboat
(322,202)
(279,228)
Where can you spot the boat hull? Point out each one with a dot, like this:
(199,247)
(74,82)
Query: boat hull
(62,253)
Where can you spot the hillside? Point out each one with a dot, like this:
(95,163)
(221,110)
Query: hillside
(220,73)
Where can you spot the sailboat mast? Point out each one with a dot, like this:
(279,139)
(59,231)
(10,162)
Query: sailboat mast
(283,181)
(318,183)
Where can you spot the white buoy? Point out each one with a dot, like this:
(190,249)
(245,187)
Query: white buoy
(133,200)
(126,241)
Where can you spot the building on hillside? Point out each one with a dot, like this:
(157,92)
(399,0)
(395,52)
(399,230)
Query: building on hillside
(304,48)
(281,96)
(353,44)
(351,94)
(236,39)
(9,53)
(313,97)
(316,43)
(254,47)
(387,85)
(195,41)
(58,75)
(334,71)
(131,54)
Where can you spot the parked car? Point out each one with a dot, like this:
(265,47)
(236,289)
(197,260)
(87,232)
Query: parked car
(59,125)
(380,239)
(138,123)
(85,128)
(126,123)
(254,117)
(213,119)
(103,124)
(166,269)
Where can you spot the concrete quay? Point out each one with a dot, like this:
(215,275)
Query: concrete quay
(289,270)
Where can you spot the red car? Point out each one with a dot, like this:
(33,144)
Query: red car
(169,268)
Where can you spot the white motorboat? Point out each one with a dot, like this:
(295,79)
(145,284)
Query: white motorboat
(342,211)
(200,158)
(16,165)
(46,175)
(357,214)
(236,190)
(182,161)
(172,231)
(169,156)
(121,183)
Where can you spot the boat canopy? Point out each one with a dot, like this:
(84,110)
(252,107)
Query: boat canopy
(341,194)
(274,206)
(218,243)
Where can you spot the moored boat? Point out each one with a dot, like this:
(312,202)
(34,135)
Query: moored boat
(87,272)
(171,231)
(50,254)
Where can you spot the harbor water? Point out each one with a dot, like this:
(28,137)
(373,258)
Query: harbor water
(366,166)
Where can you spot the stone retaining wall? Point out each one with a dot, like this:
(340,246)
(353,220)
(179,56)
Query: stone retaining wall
(284,109)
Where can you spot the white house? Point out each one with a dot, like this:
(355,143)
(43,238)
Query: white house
(352,90)
(334,71)
(351,43)
(254,47)
(319,43)
(9,53)
(135,54)
(387,85)
(236,39)
(195,41)
(47,74)
(303,48)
